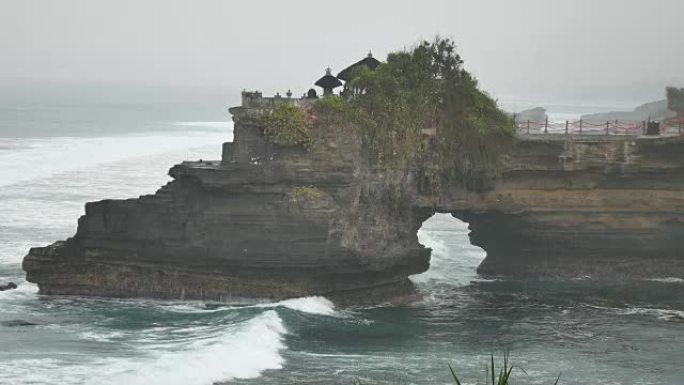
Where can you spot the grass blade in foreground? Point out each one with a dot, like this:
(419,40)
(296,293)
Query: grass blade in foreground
(504,373)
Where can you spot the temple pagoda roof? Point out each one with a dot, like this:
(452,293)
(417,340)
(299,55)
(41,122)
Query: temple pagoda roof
(369,61)
(328,81)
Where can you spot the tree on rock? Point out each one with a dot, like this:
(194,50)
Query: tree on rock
(426,91)
(675,100)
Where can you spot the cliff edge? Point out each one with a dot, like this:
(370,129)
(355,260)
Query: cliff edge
(272,222)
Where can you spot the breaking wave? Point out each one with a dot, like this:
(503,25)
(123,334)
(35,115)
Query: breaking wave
(667,280)
(238,351)
(311,305)
(661,314)
(43,157)
(219,124)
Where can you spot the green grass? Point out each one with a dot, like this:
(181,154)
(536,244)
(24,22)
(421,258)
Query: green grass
(504,375)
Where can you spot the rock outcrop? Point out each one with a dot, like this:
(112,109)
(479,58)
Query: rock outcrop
(271,222)
(650,111)
(608,207)
(8,286)
(537,114)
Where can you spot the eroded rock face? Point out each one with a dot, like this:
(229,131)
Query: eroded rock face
(265,222)
(270,222)
(604,207)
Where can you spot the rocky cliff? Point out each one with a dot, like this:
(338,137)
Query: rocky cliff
(274,222)
(650,111)
(605,207)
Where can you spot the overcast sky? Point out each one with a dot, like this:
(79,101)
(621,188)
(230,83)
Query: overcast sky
(517,49)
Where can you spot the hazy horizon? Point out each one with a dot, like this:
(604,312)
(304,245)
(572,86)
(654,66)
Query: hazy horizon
(527,50)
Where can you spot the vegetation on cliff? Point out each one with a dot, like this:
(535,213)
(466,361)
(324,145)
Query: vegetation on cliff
(419,110)
(288,125)
(306,193)
(417,94)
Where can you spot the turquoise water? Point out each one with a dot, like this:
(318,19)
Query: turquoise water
(591,332)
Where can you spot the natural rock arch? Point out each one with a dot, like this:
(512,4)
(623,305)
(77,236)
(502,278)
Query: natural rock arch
(275,222)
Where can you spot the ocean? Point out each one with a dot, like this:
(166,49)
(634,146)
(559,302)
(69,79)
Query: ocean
(56,157)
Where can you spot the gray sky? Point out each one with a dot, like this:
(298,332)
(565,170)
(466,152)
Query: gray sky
(564,49)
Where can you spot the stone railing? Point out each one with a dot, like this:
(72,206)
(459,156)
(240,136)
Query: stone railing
(255,99)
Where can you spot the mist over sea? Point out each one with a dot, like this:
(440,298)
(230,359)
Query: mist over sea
(60,149)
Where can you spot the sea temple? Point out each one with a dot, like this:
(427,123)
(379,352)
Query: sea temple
(273,221)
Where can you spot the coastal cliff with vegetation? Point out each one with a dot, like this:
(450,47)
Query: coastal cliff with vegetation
(324,196)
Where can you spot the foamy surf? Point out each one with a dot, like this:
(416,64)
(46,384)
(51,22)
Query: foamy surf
(311,305)
(661,314)
(220,124)
(41,158)
(240,352)
(666,280)
(23,291)
(453,260)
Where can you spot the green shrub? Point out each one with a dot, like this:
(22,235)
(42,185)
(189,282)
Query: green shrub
(307,193)
(331,105)
(286,125)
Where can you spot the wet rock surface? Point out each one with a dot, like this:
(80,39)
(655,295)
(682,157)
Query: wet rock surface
(8,286)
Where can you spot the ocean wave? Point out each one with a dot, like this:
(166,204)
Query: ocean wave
(221,125)
(99,336)
(666,280)
(191,307)
(241,352)
(40,158)
(238,352)
(311,305)
(661,314)
(24,290)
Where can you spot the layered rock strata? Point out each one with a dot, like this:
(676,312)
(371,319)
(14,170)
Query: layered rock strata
(270,222)
(572,207)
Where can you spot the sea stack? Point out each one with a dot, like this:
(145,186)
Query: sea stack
(269,221)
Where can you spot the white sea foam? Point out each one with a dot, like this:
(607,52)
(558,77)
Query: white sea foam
(453,259)
(23,291)
(43,157)
(311,305)
(223,124)
(667,280)
(191,307)
(661,314)
(100,336)
(241,352)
